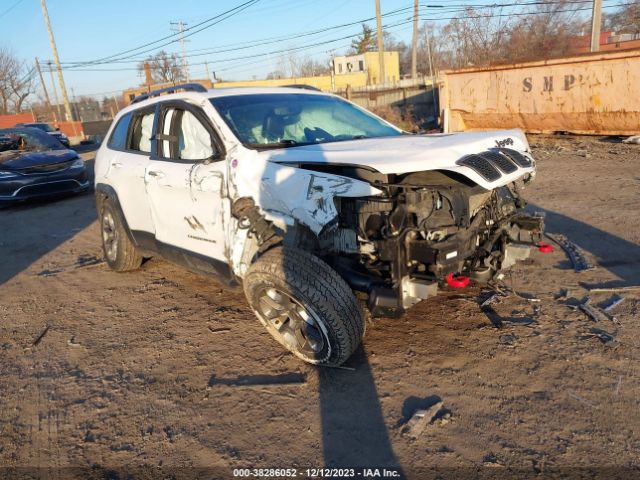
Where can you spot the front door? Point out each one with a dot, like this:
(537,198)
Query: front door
(185,182)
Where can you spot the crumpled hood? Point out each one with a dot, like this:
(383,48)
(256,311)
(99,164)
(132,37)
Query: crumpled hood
(17,160)
(411,153)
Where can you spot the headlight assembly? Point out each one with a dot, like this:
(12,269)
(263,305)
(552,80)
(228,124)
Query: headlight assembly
(78,163)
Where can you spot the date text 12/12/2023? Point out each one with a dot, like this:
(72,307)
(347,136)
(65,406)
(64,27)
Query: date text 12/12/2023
(317,472)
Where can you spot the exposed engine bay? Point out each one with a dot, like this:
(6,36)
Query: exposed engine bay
(399,246)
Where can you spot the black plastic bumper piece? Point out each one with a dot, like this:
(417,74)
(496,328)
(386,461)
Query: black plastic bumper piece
(384,302)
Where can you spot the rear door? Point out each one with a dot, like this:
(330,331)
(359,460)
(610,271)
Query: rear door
(131,147)
(186,181)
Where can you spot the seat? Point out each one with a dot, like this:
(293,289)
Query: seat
(273,127)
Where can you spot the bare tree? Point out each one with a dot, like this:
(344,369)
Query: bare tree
(365,42)
(625,20)
(7,65)
(308,67)
(276,74)
(480,37)
(477,37)
(165,67)
(21,87)
(290,65)
(546,33)
(16,82)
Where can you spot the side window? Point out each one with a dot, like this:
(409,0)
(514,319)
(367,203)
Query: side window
(142,129)
(118,139)
(184,137)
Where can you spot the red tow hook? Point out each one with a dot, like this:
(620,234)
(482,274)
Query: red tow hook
(457,281)
(545,247)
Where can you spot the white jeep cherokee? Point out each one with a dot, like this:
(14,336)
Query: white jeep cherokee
(306,198)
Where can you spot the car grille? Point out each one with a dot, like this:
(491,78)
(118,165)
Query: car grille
(522,160)
(504,163)
(49,168)
(480,165)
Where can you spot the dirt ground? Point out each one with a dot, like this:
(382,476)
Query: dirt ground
(160,373)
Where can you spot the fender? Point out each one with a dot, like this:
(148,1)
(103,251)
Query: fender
(286,193)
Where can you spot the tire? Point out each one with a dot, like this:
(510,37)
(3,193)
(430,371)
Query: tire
(119,251)
(305,305)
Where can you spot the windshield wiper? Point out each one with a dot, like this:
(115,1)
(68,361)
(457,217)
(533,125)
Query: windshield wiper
(284,143)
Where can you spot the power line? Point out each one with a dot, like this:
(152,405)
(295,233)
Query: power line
(278,39)
(275,52)
(11,8)
(230,13)
(243,45)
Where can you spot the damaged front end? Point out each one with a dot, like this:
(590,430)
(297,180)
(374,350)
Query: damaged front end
(396,237)
(398,247)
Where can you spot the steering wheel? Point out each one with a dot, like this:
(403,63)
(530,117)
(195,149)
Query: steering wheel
(317,134)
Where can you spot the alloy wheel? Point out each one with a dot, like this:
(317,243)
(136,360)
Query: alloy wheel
(109,236)
(296,325)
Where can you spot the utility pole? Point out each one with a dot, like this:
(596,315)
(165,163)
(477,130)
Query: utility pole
(55,91)
(206,66)
(596,22)
(44,86)
(54,49)
(180,29)
(75,105)
(433,80)
(380,44)
(414,42)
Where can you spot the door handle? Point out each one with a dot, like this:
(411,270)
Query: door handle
(156,173)
(116,164)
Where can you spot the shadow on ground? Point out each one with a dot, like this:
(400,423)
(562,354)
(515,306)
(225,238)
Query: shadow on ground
(621,257)
(32,229)
(354,433)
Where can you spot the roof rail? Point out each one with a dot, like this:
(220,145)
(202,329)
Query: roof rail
(302,86)
(189,87)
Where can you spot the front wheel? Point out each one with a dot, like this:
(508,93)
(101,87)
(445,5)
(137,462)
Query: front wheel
(305,305)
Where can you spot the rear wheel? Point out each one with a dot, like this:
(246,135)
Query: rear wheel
(305,305)
(119,251)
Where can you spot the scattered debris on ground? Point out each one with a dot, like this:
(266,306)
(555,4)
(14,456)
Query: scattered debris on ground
(575,253)
(41,336)
(420,419)
(612,303)
(633,139)
(631,288)
(592,311)
(602,335)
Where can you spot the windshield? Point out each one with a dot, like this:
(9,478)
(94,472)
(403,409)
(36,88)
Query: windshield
(279,120)
(45,127)
(27,139)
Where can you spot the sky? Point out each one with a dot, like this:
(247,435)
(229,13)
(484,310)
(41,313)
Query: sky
(87,30)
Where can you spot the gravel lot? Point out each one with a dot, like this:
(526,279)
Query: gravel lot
(162,371)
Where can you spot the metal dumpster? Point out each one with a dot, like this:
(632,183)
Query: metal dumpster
(587,94)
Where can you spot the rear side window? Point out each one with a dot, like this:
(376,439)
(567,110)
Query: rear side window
(142,131)
(118,139)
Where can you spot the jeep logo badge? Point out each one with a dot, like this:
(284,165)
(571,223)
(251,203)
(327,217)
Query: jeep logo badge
(505,142)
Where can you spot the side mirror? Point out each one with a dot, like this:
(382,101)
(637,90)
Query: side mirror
(57,129)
